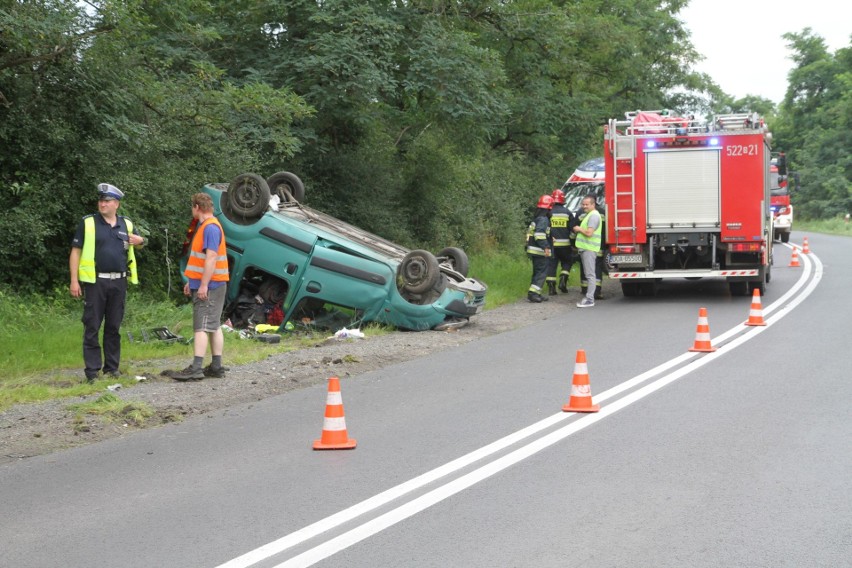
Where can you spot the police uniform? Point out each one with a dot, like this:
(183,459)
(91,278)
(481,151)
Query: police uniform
(107,263)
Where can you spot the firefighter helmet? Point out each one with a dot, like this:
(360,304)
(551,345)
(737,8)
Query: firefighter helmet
(545,202)
(558,196)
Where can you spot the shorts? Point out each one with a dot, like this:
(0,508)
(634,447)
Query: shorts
(207,314)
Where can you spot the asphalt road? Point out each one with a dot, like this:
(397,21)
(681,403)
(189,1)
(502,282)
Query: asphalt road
(736,458)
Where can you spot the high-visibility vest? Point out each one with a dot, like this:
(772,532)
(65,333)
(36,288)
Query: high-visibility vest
(592,243)
(197,255)
(86,269)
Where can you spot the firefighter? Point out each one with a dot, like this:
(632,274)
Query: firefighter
(561,221)
(538,247)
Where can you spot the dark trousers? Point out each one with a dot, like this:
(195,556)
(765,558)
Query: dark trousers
(561,257)
(103,303)
(539,273)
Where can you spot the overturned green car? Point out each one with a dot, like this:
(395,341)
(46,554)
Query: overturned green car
(291,263)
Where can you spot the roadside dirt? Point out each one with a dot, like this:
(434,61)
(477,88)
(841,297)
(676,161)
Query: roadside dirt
(37,429)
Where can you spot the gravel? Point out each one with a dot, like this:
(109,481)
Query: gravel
(36,429)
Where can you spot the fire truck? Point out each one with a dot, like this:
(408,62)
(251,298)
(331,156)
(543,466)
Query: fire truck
(688,199)
(780,187)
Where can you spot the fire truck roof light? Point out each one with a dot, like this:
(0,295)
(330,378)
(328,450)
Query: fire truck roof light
(714,141)
(650,144)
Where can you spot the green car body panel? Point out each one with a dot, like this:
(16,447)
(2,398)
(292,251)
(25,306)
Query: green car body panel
(324,259)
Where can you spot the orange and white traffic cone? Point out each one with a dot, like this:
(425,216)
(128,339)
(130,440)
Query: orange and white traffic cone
(581,392)
(702,334)
(334,436)
(794,260)
(805,248)
(755,315)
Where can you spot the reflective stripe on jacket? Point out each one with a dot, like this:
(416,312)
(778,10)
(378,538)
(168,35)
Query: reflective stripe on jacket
(197,255)
(538,236)
(86,269)
(592,243)
(560,221)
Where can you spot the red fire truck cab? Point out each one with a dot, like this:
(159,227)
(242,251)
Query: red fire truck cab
(688,199)
(782,209)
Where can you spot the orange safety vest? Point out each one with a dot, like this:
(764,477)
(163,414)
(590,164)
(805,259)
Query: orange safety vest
(197,255)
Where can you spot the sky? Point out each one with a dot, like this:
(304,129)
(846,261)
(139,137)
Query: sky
(741,39)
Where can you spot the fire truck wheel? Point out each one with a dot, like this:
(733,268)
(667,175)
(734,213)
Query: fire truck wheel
(738,288)
(759,286)
(629,289)
(785,237)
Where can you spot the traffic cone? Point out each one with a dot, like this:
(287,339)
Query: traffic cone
(702,334)
(334,436)
(794,260)
(581,392)
(805,248)
(755,315)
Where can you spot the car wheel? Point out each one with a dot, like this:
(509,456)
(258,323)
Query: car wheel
(456,258)
(785,237)
(248,198)
(419,271)
(287,186)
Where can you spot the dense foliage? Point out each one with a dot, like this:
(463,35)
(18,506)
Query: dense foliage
(430,122)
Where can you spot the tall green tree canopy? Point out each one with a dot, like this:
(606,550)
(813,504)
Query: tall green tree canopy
(430,122)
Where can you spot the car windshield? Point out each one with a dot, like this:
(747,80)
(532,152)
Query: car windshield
(575,192)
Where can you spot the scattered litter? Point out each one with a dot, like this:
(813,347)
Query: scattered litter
(265,327)
(274,200)
(114,387)
(348,334)
(140,378)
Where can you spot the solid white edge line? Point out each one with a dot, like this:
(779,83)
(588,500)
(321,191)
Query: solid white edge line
(372,503)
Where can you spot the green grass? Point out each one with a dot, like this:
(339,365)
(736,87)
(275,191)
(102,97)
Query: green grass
(41,354)
(111,408)
(836,226)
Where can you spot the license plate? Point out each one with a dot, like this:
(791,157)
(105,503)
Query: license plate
(625,258)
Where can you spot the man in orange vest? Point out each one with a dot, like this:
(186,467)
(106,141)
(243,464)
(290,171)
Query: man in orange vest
(207,279)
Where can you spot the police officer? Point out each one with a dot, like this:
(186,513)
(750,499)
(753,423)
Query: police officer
(538,247)
(561,221)
(101,262)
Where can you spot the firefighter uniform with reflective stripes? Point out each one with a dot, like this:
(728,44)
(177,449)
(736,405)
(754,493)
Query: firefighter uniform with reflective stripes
(561,221)
(538,248)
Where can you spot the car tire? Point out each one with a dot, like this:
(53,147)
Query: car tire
(456,258)
(287,186)
(247,197)
(785,237)
(419,271)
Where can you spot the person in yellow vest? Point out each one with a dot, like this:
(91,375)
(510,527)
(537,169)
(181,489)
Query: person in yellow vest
(207,283)
(588,244)
(102,260)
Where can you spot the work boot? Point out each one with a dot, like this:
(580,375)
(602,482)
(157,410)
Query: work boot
(214,372)
(563,283)
(534,298)
(188,374)
(551,288)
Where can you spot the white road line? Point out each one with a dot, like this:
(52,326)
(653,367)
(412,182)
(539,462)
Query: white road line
(452,487)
